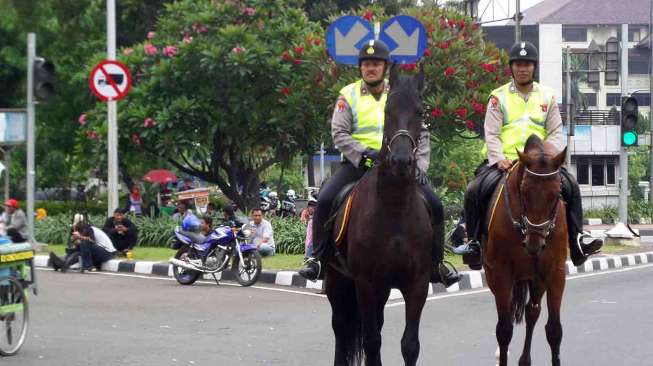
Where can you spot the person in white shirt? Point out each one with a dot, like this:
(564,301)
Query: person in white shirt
(263,235)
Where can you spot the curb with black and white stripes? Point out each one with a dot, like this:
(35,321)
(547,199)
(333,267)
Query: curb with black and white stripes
(470,280)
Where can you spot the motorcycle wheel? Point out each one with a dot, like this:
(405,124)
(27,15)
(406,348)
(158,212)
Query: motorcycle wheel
(182,275)
(249,270)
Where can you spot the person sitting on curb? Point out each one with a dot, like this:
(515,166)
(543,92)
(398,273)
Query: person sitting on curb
(92,244)
(15,221)
(263,235)
(122,231)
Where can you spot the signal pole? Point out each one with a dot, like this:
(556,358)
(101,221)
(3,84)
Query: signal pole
(623,154)
(31,56)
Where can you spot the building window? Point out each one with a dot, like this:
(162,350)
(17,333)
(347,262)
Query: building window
(633,34)
(643,99)
(574,34)
(637,63)
(612,99)
(590,98)
(596,172)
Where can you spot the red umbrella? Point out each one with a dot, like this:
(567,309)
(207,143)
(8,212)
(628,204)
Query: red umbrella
(160,176)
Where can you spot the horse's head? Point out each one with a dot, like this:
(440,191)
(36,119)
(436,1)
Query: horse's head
(540,191)
(403,122)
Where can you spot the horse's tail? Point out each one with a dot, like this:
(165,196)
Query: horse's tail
(354,339)
(519,292)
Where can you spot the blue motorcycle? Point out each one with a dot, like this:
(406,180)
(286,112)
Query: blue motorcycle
(198,254)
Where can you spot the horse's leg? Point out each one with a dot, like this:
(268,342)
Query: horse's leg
(368,306)
(503,300)
(553,325)
(415,297)
(345,319)
(532,314)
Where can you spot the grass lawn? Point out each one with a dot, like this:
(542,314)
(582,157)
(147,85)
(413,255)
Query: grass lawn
(293,262)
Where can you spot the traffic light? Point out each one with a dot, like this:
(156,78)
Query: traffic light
(43,79)
(629,116)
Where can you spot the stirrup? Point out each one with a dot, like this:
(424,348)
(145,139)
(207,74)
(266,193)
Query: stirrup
(590,248)
(471,247)
(311,263)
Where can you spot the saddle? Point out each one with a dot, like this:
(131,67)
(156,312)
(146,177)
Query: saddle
(488,194)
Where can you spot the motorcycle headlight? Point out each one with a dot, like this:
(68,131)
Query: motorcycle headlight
(246,231)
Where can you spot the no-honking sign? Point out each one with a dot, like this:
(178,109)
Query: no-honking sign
(110,80)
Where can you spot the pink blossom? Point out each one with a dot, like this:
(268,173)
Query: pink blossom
(150,35)
(238,50)
(297,61)
(82,119)
(437,112)
(369,15)
(470,125)
(188,39)
(136,139)
(449,71)
(170,51)
(127,51)
(427,52)
(91,135)
(149,122)
(249,11)
(150,49)
(286,91)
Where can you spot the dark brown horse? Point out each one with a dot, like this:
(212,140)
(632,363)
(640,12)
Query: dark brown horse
(388,239)
(526,247)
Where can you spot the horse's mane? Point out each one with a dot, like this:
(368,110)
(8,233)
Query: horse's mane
(539,150)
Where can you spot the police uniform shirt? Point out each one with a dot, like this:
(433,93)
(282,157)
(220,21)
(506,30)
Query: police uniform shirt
(494,122)
(352,149)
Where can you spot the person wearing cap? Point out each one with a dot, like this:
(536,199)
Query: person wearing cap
(15,221)
(516,110)
(357,131)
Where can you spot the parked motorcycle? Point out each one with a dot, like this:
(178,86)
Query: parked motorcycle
(288,207)
(269,202)
(197,255)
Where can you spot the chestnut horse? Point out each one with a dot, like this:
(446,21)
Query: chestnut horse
(526,247)
(388,239)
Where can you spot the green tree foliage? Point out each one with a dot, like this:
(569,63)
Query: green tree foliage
(223,90)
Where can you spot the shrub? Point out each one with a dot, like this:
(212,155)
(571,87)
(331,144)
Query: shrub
(289,235)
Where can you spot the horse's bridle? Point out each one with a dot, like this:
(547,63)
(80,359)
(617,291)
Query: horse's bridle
(403,133)
(524,225)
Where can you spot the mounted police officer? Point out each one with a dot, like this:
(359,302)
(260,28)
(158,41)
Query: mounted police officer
(515,111)
(357,131)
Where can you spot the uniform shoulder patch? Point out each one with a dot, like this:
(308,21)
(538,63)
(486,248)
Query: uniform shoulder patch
(545,107)
(494,102)
(341,104)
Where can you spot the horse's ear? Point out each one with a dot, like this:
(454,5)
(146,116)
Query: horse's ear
(394,73)
(523,157)
(559,159)
(420,79)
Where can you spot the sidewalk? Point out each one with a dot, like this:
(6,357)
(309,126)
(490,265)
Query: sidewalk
(471,279)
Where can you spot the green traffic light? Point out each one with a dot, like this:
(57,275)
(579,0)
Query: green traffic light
(629,138)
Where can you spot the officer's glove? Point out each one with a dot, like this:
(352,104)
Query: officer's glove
(421,178)
(369,157)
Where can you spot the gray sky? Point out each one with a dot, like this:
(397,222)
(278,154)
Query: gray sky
(498,9)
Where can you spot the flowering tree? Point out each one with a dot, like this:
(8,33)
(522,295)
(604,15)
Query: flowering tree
(222,91)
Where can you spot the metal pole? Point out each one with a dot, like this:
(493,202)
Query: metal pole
(31,55)
(623,154)
(7,157)
(321,164)
(517,22)
(650,65)
(570,128)
(112,116)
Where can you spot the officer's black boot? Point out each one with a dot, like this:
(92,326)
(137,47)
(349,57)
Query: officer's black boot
(313,267)
(579,251)
(440,272)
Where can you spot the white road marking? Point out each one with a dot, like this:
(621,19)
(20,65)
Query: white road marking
(394,304)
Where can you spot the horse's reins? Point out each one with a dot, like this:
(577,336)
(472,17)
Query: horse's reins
(524,225)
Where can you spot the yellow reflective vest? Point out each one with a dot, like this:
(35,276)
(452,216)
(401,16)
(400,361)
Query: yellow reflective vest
(368,115)
(522,118)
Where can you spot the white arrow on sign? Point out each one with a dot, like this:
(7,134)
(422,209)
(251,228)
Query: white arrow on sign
(406,44)
(346,44)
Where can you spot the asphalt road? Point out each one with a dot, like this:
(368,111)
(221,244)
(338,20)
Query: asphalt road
(109,319)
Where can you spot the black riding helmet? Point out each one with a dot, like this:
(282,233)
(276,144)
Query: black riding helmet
(523,50)
(374,49)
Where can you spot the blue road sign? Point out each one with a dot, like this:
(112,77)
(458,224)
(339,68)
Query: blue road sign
(406,38)
(345,36)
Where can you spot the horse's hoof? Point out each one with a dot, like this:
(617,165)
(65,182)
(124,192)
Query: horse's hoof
(524,362)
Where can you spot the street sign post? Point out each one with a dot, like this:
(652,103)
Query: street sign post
(345,36)
(406,38)
(404,35)
(110,80)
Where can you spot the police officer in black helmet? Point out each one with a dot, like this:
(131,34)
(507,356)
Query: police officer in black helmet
(357,133)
